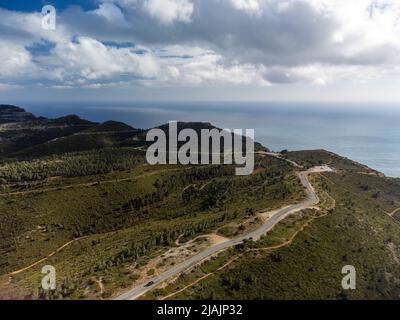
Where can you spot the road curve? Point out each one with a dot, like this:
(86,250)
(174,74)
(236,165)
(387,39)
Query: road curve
(310,201)
(281,157)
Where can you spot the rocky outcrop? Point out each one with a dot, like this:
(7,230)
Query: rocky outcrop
(9,113)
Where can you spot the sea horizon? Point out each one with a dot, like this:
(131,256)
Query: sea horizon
(362,132)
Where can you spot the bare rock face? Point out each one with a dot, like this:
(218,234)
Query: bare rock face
(9,113)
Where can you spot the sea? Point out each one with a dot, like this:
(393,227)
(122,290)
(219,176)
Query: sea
(368,133)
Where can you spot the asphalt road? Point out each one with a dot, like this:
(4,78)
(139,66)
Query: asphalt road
(279,156)
(312,200)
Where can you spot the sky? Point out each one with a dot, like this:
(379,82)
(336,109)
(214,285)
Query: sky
(201,50)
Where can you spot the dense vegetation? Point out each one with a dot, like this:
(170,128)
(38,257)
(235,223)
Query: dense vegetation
(356,230)
(71,165)
(70,182)
(124,216)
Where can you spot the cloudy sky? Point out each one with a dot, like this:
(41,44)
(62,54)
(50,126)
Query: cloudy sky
(287,50)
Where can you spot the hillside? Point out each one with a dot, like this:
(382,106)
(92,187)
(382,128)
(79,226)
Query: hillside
(24,136)
(21,130)
(9,113)
(88,204)
(32,137)
(302,257)
(109,126)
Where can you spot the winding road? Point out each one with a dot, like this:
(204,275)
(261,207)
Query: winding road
(311,201)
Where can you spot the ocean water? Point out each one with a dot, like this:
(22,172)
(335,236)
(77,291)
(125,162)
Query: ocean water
(367,133)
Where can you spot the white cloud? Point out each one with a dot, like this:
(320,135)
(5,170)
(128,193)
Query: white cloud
(8,87)
(88,58)
(26,28)
(320,74)
(169,11)
(206,42)
(16,61)
(250,6)
(72,59)
(205,67)
(111,13)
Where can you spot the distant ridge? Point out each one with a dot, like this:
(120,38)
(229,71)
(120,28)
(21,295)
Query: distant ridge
(73,120)
(24,136)
(111,126)
(10,113)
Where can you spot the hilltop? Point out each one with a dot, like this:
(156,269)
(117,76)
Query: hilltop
(25,137)
(9,113)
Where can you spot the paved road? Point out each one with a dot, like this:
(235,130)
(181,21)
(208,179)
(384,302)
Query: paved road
(281,157)
(312,200)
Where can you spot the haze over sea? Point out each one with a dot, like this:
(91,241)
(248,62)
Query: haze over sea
(367,133)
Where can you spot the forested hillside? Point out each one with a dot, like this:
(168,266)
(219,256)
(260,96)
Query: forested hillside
(302,258)
(80,196)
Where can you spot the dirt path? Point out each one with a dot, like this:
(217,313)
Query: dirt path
(290,241)
(201,278)
(100,284)
(87,184)
(281,157)
(286,243)
(77,239)
(311,201)
(205,185)
(212,237)
(177,239)
(279,246)
(47,257)
(187,187)
(90,184)
(393,212)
